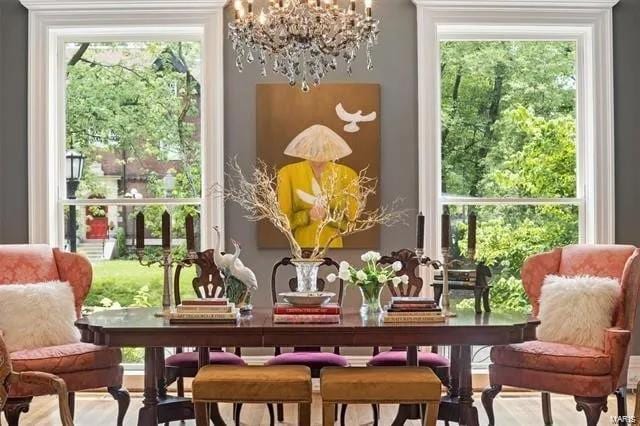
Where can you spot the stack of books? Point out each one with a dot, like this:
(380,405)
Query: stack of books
(412,309)
(284,313)
(205,311)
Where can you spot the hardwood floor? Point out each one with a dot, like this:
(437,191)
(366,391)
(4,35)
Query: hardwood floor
(511,409)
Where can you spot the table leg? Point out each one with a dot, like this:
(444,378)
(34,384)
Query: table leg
(468,413)
(214,412)
(148,414)
(453,373)
(406,411)
(160,373)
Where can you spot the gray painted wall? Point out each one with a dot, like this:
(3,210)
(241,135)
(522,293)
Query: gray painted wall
(13,122)
(395,71)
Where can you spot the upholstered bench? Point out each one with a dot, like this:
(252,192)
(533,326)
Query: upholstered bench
(380,385)
(286,384)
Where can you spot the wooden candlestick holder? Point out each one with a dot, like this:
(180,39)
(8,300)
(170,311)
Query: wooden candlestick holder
(436,264)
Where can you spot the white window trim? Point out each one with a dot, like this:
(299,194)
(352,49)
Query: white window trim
(589,22)
(51,22)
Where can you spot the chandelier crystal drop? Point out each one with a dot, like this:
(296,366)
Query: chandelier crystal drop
(303,40)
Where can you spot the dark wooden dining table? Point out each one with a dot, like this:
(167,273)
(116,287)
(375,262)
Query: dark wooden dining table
(139,327)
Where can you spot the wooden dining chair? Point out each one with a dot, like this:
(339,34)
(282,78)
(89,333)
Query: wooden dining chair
(397,356)
(207,283)
(55,384)
(312,357)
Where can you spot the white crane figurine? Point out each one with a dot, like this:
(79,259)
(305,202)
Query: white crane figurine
(239,280)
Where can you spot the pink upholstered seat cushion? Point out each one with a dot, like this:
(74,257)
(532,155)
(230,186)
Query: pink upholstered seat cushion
(190,359)
(313,360)
(73,357)
(553,357)
(23,264)
(399,358)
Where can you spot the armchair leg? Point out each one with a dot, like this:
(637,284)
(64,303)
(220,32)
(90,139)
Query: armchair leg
(280,412)
(621,398)
(546,409)
(122,397)
(592,407)
(14,407)
(272,416)
(343,414)
(487,401)
(72,403)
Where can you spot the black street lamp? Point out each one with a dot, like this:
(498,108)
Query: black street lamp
(74,165)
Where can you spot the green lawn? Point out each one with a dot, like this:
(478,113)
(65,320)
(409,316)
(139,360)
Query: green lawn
(121,280)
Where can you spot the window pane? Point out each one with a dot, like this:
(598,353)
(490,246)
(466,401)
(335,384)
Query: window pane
(133,112)
(508,118)
(506,236)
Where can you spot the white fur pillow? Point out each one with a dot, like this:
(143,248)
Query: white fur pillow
(37,315)
(577,310)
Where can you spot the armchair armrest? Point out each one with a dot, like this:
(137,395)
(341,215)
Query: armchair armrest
(77,270)
(56,386)
(616,344)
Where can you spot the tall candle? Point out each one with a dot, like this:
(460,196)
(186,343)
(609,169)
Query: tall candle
(140,230)
(420,231)
(471,240)
(191,239)
(166,230)
(445,230)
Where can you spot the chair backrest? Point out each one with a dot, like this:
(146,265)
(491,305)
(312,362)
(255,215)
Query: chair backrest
(409,265)
(604,260)
(39,263)
(292,283)
(27,263)
(208,281)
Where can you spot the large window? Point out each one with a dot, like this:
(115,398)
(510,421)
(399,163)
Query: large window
(133,114)
(508,152)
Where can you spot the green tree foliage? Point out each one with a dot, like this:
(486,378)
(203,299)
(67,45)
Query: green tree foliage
(508,130)
(141,103)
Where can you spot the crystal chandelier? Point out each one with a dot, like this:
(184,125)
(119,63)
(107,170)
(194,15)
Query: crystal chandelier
(302,39)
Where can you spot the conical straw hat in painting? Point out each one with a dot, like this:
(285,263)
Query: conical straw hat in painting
(318,143)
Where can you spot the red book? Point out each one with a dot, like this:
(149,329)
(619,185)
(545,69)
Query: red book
(211,301)
(287,309)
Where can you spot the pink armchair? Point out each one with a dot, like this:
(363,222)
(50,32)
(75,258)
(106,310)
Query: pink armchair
(588,374)
(82,366)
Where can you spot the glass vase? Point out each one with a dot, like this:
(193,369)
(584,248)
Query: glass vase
(371,299)
(307,274)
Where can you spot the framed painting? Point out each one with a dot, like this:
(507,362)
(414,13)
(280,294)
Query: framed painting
(332,130)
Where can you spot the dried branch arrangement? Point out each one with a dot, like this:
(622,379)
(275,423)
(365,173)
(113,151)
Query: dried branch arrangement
(345,206)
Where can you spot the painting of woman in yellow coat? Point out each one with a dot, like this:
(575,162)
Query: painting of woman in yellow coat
(301,185)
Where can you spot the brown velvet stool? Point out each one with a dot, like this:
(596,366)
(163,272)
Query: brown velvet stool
(380,385)
(286,384)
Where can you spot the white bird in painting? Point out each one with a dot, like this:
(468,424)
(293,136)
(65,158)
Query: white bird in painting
(353,119)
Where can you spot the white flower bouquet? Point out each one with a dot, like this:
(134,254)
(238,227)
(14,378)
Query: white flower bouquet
(371,278)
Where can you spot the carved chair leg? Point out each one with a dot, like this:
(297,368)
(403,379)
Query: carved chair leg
(272,416)
(122,397)
(180,385)
(280,412)
(376,414)
(14,407)
(237,409)
(592,407)
(343,414)
(546,409)
(621,399)
(72,403)
(487,398)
